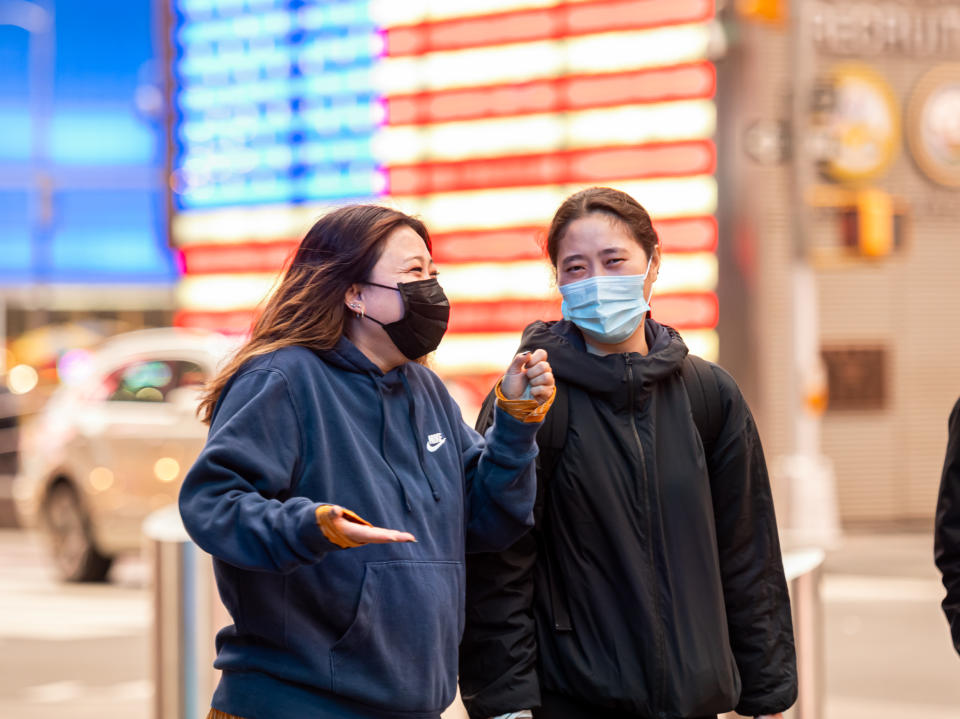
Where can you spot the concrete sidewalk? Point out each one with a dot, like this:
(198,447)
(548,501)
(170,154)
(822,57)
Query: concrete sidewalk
(888,649)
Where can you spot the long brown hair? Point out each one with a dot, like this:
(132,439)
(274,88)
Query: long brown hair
(617,205)
(307,307)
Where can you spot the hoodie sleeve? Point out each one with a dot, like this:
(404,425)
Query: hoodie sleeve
(500,481)
(755,590)
(946,546)
(235,501)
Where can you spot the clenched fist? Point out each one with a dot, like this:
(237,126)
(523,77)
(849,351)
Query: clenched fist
(528,376)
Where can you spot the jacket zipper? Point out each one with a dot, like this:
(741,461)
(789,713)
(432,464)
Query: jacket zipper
(561,614)
(661,674)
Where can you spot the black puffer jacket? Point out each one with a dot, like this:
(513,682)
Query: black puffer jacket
(649,585)
(947,530)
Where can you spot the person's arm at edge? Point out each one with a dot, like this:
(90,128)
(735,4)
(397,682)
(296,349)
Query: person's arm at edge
(947,527)
(755,589)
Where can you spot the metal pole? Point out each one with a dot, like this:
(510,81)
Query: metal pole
(167,624)
(811,517)
(808,624)
(42,76)
(186,614)
(804,571)
(37,18)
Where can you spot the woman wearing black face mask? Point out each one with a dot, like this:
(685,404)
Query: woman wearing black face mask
(321,419)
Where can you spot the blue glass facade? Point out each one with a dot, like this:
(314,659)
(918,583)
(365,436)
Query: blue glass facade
(98,214)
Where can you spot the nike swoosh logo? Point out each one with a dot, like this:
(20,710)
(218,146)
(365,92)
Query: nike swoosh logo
(434,446)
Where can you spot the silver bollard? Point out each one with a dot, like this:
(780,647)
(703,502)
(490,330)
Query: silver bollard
(804,570)
(187,613)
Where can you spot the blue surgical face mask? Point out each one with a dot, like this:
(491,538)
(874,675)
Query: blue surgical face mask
(607,308)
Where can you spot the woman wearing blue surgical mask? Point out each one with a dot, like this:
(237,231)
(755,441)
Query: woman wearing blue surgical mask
(652,585)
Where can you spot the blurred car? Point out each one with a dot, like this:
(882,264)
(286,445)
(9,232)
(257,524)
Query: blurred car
(114,443)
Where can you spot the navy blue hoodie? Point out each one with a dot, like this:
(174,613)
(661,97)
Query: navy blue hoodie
(372,631)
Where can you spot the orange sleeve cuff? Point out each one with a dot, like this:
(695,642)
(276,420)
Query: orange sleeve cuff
(525,410)
(326,513)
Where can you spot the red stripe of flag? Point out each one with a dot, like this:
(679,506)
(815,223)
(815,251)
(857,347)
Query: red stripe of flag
(562,94)
(555,168)
(687,234)
(686,311)
(510,244)
(500,316)
(507,244)
(543,24)
(243,258)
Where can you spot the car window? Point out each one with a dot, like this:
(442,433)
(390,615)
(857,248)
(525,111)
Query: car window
(151,381)
(191,379)
(191,375)
(141,382)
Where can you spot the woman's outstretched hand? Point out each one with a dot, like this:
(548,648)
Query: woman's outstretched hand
(528,371)
(362,534)
(346,529)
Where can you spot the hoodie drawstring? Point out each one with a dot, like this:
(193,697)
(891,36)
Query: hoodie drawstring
(413,429)
(383,441)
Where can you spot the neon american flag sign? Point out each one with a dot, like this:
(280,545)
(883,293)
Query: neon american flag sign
(479,116)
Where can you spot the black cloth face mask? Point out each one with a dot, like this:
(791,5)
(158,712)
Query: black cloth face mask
(424,321)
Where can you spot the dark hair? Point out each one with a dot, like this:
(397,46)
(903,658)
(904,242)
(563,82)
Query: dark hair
(307,307)
(616,205)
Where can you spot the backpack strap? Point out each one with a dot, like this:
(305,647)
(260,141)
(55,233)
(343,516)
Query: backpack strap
(704,393)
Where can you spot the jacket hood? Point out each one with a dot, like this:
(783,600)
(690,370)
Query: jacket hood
(346,356)
(606,375)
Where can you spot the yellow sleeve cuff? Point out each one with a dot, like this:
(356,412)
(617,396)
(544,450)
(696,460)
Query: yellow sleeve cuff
(525,410)
(325,517)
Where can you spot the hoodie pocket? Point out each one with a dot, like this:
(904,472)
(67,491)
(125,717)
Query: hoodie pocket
(400,651)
